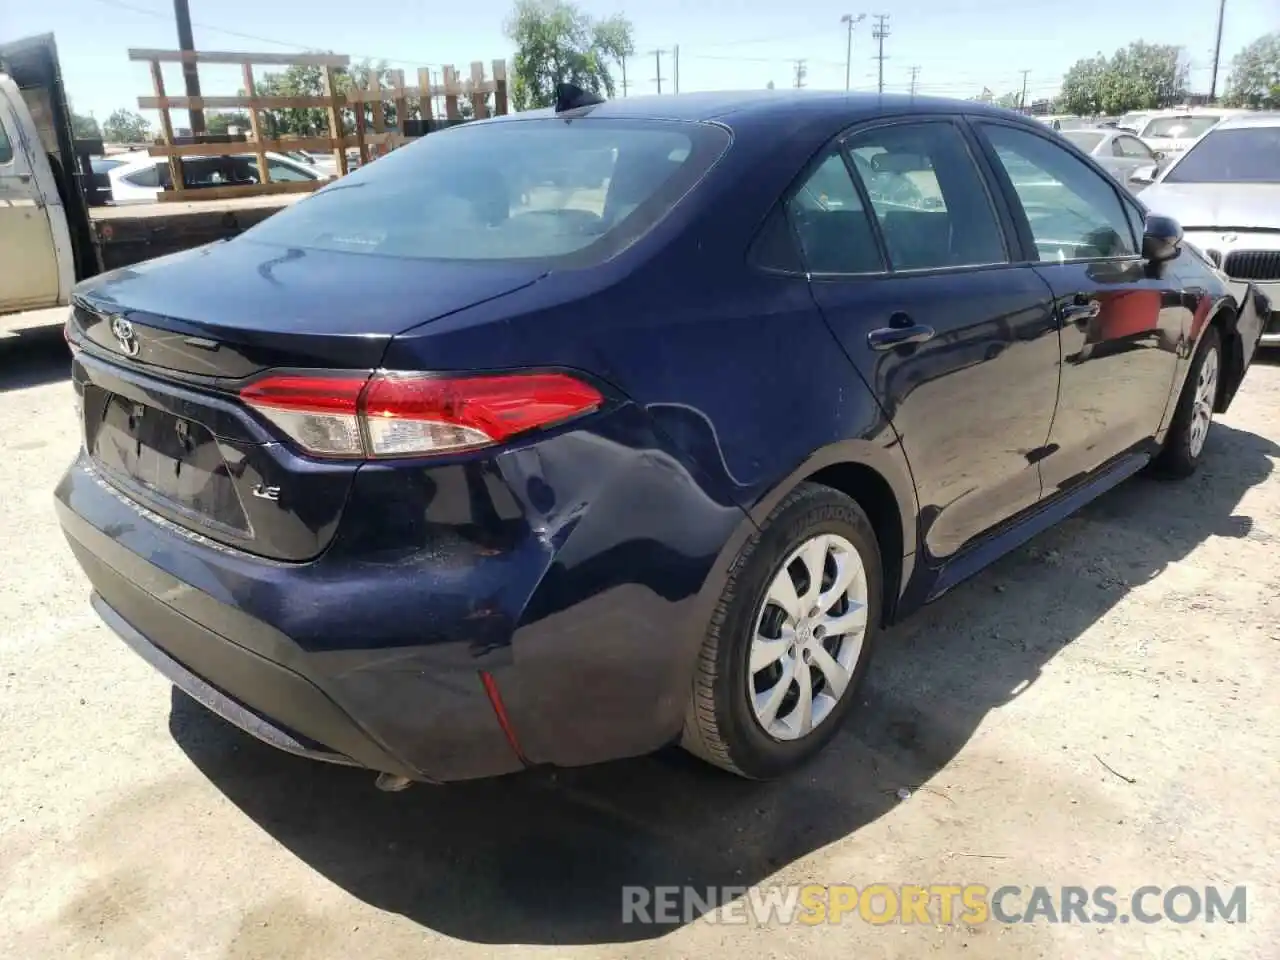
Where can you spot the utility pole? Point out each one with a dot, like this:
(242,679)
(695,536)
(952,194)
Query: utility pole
(849,20)
(657,59)
(190,74)
(801,72)
(675,61)
(1217,52)
(1023,100)
(915,72)
(624,76)
(880,31)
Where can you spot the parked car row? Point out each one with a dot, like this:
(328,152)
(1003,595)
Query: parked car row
(1166,133)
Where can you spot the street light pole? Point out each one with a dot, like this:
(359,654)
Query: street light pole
(850,20)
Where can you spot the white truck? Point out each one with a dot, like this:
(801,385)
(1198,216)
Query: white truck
(51,232)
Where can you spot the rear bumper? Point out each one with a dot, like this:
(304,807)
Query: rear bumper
(222,659)
(356,708)
(579,574)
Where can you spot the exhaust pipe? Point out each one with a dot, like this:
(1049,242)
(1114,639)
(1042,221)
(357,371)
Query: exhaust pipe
(392,782)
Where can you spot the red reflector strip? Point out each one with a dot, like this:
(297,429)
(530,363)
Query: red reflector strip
(495,701)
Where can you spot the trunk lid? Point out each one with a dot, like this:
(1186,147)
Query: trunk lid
(233,309)
(163,348)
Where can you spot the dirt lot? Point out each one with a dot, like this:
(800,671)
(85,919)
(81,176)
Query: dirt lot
(1142,636)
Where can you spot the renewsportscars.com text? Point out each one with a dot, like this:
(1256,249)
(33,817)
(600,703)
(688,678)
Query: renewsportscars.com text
(971,904)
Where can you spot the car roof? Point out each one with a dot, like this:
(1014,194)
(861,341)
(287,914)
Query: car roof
(740,106)
(1251,119)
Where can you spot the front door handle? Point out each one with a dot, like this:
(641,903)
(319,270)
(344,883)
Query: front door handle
(1080,310)
(886,338)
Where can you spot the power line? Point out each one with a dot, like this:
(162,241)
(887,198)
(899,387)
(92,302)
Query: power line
(623,63)
(162,15)
(879,32)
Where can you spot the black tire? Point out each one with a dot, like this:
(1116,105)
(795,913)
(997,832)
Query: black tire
(720,724)
(1179,457)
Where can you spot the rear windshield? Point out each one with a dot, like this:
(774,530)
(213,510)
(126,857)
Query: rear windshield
(515,190)
(1085,141)
(1182,128)
(1235,155)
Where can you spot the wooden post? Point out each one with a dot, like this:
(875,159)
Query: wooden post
(264,171)
(402,106)
(361,146)
(424,102)
(166,128)
(500,88)
(337,133)
(478,97)
(451,94)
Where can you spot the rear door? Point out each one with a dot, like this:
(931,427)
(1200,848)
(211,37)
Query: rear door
(28,256)
(1122,322)
(914,275)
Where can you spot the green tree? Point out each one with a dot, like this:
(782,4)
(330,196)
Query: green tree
(1010,101)
(1255,75)
(307,81)
(125,126)
(1081,92)
(219,122)
(556,42)
(1142,76)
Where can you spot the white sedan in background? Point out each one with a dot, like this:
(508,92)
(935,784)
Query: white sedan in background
(141,178)
(1225,192)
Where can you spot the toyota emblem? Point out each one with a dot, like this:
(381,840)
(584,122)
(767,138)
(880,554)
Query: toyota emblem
(122,330)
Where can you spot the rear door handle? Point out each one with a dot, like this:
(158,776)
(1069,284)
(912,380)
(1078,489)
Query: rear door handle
(1081,310)
(886,338)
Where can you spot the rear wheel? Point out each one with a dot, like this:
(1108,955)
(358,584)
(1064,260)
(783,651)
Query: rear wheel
(790,639)
(1184,445)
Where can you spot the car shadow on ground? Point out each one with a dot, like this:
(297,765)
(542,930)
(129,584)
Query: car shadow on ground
(542,857)
(33,357)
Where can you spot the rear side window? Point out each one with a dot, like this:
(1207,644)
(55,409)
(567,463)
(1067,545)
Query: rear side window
(1073,212)
(574,191)
(6,148)
(1132,147)
(836,235)
(928,196)
(146,177)
(282,172)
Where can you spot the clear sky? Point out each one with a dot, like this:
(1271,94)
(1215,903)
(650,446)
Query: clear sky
(960,46)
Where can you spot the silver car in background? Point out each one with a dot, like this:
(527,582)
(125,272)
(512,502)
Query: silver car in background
(1118,152)
(1225,192)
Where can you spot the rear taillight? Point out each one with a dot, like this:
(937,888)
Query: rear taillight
(408,415)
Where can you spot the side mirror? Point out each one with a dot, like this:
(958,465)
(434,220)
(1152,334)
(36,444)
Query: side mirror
(1144,175)
(1162,239)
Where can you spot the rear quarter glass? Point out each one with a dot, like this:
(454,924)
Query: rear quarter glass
(567,193)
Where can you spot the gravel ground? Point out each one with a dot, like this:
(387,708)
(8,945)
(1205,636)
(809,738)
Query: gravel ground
(1098,708)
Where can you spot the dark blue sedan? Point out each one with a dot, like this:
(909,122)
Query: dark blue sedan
(568,435)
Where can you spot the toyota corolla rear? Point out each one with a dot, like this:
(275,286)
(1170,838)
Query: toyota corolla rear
(340,481)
